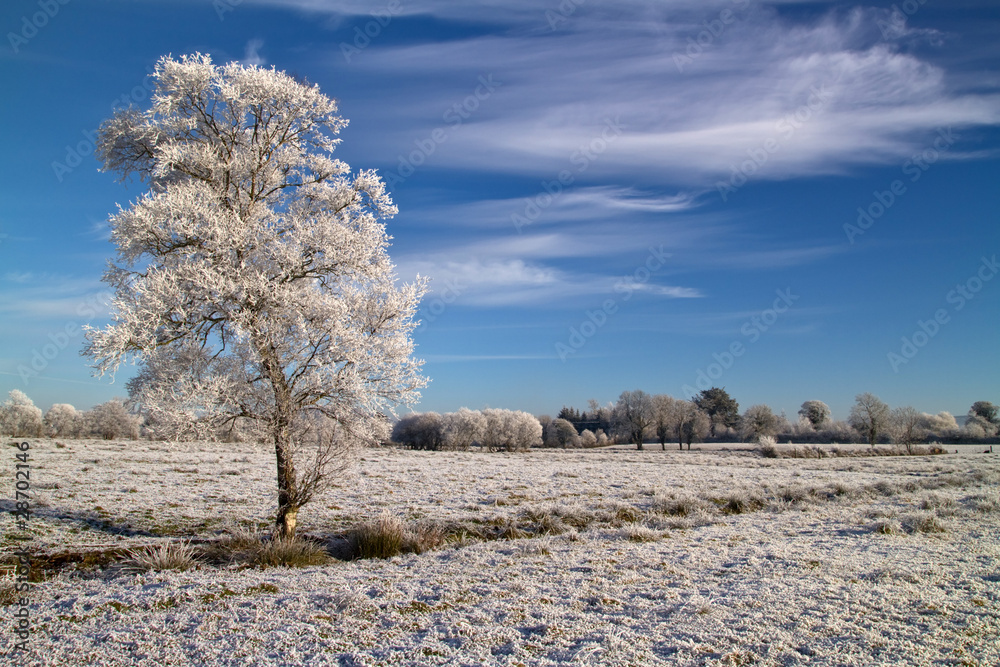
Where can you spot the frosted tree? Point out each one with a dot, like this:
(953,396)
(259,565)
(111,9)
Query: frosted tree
(633,415)
(869,416)
(463,428)
(252,280)
(112,420)
(816,413)
(903,427)
(562,433)
(63,420)
(758,421)
(421,430)
(19,417)
(941,424)
(510,430)
(664,415)
(986,410)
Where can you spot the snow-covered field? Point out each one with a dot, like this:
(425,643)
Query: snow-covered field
(803,577)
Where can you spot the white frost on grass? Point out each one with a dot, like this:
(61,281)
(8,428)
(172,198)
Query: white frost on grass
(805,579)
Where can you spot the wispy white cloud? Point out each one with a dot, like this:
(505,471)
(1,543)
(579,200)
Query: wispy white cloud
(465,358)
(39,297)
(831,93)
(251,54)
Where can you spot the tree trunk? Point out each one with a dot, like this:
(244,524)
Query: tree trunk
(281,429)
(287,506)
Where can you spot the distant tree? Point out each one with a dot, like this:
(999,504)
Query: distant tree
(510,430)
(903,427)
(697,425)
(986,410)
(63,421)
(112,420)
(942,424)
(816,413)
(633,415)
(587,438)
(687,422)
(720,407)
(977,426)
(869,416)
(758,421)
(569,414)
(419,431)
(664,417)
(463,428)
(19,417)
(564,433)
(602,414)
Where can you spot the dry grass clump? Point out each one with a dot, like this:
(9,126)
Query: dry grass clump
(839,490)
(250,548)
(294,552)
(556,518)
(641,533)
(741,502)
(885,488)
(984,504)
(387,535)
(8,593)
(382,537)
(166,556)
(679,506)
(546,520)
(888,526)
(933,501)
(794,494)
(424,536)
(620,513)
(923,523)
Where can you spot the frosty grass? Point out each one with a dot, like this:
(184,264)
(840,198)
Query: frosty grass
(836,561)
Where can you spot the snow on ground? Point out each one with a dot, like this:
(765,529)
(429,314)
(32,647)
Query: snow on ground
(806,578)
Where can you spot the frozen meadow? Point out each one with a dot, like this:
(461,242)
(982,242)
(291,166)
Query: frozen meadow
(607,557)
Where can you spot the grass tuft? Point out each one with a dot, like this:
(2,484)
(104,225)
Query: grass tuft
(682,506)
(382,537)
(166,556)
(294,552)
(888,526)
(741,502)
(923,523)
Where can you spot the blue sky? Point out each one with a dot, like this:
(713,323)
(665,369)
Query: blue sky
(793,200)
